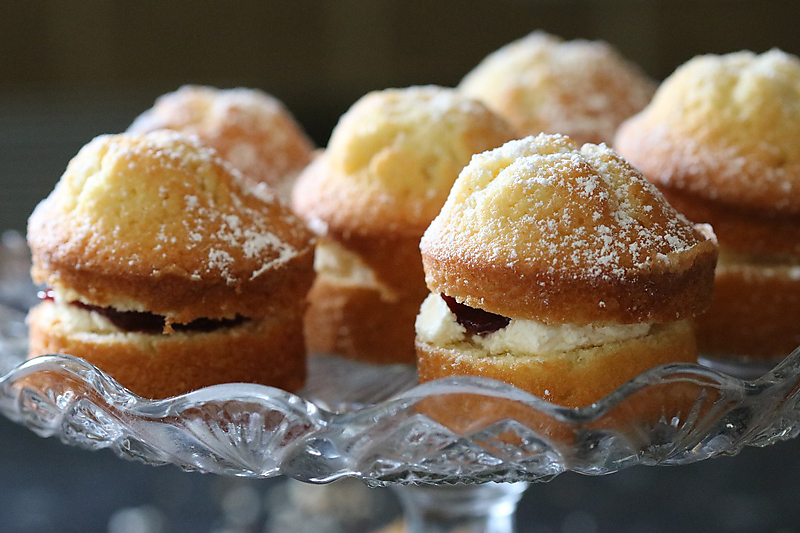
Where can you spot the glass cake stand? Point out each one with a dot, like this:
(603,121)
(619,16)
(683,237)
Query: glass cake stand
(376,424)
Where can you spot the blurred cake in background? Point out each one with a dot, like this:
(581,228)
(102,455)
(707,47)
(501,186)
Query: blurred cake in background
(249,128)
(385,174)
(165,269)
(541,83)
(721,139)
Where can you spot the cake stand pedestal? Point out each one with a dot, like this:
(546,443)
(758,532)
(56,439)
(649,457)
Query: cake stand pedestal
(487,508)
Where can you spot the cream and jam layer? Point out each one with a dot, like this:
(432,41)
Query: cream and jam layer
(439,324)
(80,316)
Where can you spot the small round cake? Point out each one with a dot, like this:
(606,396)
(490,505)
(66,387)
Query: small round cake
(165,269)
(249,128)
(721,139)
(541,83)
(384,176)
(561,270)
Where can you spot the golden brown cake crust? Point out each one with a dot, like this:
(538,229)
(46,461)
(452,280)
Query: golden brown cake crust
(540,83)
(542,230)
(655,296)
(392,159)
(249,128)
(266,351)
(356,322)
(726,129)
(573,379)
(754,313)
(158,223)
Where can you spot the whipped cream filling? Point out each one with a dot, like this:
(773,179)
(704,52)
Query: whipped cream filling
(437,325)
(333,260)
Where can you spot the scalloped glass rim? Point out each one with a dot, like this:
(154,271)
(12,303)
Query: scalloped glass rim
(258,431)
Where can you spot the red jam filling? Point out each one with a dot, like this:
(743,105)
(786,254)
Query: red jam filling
(475,321)
(146,322)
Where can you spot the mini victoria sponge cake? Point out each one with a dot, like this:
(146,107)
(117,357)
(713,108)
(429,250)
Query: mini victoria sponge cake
(166,270)
(721,139)
(541,83)
(561,270)
(384,176)
(249,128)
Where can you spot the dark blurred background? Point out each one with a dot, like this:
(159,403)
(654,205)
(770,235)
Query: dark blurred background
(72,70)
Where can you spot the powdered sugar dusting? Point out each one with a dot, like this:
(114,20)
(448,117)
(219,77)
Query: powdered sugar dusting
(724,127)
(204,217)
(542,83)
(711,170)
(543,200)
(251,129)
(252,239)
(221,261)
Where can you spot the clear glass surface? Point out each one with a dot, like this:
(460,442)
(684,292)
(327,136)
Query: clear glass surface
(376,424)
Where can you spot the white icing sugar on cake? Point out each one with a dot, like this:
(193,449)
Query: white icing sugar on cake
(545,200)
